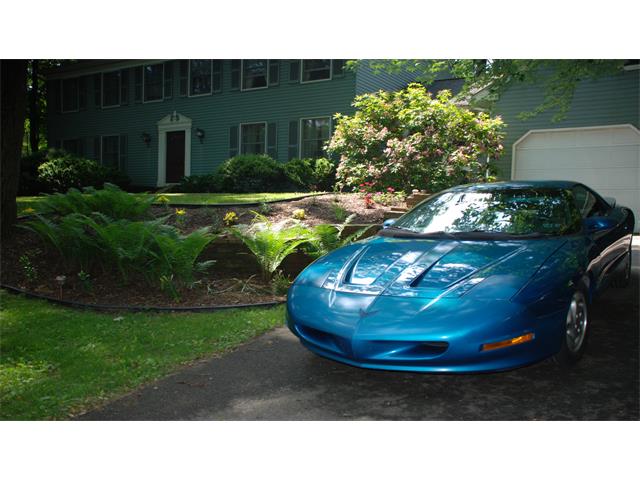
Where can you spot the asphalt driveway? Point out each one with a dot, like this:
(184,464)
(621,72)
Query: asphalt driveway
(274,378)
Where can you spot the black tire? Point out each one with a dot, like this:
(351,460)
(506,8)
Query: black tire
(622,280)
(575,336)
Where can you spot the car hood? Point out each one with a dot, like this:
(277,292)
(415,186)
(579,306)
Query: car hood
(431,268)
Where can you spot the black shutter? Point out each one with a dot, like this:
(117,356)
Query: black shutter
(294,70)
(272,140)
(235,74)
(233,141)
(338,67)
(82,93)
(168,79)
(137,87)
(274,72)
(293,140)
(122,164)
(124,86)
(97,90)
(184,77)
(216,80)
(96,149)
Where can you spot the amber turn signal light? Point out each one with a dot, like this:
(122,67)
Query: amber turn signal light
(507,343)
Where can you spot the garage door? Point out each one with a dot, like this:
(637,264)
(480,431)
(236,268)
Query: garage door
(606,159)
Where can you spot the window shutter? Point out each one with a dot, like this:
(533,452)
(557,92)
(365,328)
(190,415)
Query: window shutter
(294,70)
(82,93)
(272,140)
(293,140)
(184,77)
(123,153)
(235,74)
(216,80)
(168,79)
(137,87)
(124,86)
(233,141)
(97,90)
(274,72)
(338,67)
(96,150)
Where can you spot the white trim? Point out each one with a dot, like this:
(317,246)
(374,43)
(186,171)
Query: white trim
(102,105)
(315,81)
(514,147)
(189,81)
(635,66)
(173,122)
(62,110)
(161,83)
(242,89)
(302,119)
(80,70)
(110,135)
(266,134)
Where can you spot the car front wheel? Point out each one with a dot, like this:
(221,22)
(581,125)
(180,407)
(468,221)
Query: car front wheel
(576,329)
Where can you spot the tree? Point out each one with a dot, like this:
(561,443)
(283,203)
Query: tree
(557,78)
(408,139)
(13,74)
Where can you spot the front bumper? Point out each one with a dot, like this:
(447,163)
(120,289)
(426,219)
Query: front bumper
(415,334)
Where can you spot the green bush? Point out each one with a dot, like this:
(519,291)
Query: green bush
(212,183)
(310,173)
(252,173)
(110,201)
(62,171)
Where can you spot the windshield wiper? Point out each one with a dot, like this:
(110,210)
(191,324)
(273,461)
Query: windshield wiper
(400,232)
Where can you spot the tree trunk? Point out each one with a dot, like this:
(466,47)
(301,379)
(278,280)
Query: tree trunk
(13,98)
(34,107)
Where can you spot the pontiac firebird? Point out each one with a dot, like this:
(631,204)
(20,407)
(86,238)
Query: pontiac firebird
(481,277)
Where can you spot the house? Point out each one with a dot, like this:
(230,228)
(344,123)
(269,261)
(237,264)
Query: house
(158,121)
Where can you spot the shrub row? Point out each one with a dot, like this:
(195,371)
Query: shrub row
(261,173)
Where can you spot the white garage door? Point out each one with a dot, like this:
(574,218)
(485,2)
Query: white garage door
(607,159)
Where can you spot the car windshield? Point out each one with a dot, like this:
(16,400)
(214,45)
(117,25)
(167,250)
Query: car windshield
(513,212)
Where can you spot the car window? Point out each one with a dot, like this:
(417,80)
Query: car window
(586,202)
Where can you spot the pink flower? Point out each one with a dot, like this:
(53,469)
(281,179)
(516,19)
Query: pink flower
(390,189)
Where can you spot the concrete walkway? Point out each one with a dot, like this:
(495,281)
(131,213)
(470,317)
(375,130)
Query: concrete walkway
(274,378)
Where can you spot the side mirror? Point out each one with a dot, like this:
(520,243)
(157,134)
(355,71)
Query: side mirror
(598,224)
(610,201)
(388,222)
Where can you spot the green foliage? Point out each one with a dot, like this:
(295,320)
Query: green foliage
(265,208)
(325,238)
(557,78)
(314,174)
(62,171)
(298,214)
(280,283)
(29,270)
(109,201)
(85,281)
(212,183)
(339,213)
(271,243)
(408,139)
(252,173)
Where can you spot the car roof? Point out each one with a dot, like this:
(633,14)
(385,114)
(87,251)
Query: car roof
(554,184)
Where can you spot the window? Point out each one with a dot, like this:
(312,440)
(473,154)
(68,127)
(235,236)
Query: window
(111,89)
(253,138)
(153,82)
(254,74)
(199,77)
(70,95)
(316,70)
(315,133)
(110,151)
(586,202)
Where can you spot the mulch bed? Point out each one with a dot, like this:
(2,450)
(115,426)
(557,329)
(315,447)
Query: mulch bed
(220,287)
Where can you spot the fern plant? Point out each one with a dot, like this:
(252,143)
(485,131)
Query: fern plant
(325,238)
(271,242)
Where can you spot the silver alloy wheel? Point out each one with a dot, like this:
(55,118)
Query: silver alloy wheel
(576,322)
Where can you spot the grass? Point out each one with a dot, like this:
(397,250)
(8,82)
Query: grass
(57,361)
(33,202)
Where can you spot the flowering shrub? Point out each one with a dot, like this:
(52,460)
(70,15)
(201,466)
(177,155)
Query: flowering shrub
(389,196)
(298,214)
(408,140)
(230,218)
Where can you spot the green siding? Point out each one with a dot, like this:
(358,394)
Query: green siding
(215,114)
(368,81)
(606,101)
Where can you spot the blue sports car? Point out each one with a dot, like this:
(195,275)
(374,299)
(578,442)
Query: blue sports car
(479,277)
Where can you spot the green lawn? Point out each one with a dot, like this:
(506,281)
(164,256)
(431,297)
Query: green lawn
(25,203)
(57,361)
